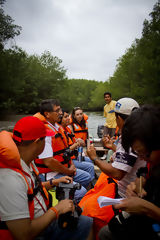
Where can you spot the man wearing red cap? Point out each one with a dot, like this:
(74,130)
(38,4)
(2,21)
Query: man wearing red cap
(23,201)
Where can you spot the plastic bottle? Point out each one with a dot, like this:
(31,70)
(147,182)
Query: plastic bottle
(80,150)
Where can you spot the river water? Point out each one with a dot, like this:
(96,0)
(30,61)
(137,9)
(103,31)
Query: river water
(94,119)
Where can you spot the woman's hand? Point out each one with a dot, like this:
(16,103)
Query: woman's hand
(91,152)
(80,142)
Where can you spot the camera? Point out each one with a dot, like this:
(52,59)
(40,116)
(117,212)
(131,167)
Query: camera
(68,220)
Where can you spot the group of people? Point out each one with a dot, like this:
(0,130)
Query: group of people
(42,152)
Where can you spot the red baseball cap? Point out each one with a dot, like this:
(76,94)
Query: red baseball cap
(30,128)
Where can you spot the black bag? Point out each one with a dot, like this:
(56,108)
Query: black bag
(133,227)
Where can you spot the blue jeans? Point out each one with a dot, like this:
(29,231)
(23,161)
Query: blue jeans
(87,159)
(53,232)
(86,166)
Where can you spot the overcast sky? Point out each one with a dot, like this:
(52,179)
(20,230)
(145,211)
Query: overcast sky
(88,35)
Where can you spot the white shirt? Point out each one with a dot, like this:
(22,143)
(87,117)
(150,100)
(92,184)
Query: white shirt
(48,152)
(129,163)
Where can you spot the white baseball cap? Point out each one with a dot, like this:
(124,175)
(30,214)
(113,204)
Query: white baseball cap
(125,106)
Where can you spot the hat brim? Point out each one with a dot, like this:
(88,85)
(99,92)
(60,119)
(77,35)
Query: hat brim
(112,111)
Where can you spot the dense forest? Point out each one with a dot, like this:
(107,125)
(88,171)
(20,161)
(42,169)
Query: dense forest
(27,79)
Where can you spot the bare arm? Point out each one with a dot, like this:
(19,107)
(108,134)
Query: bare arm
(104,166)
(109,170)
(136,205)
(55,182)
(29,229)
(56,166)
(74,146)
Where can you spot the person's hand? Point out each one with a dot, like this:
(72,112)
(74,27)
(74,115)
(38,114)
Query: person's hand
(91,152)
(133,205)
(64,206)
(111,159)
(80,142)
(107,141)
(65,179)
(72,170)
(133,190)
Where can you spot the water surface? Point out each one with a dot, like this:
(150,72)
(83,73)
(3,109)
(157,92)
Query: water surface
(94,119)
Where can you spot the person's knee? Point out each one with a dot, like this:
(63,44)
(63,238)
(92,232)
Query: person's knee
(87,178)
(85,225)
(79,194)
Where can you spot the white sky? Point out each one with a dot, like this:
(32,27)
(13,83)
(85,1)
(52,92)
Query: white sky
(88,35)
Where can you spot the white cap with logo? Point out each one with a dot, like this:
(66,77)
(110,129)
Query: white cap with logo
(125,106)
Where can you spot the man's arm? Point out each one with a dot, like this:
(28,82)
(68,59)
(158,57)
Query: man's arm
(55,182)
(29,229)
(56,166)
(50,161)
(109,170)
(104,166)
(136,205)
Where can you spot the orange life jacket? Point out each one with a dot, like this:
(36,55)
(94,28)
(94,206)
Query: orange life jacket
(59,145)
(104,186)
(78,130)
(70,135)
(71,140)
(10,158)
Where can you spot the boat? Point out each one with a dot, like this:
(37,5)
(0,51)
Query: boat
(97,142)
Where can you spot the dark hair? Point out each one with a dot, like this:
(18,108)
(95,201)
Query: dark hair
(63,111)
(123,116)
(144,125)
(25,143)
(82,123)
(108,93)
(47,105)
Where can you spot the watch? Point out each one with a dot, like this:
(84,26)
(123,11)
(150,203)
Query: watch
(51,183)
(94,159)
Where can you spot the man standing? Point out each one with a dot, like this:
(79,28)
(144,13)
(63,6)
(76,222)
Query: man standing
(110,125)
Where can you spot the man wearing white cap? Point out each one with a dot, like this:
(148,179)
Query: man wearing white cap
(124,164)
(123,168)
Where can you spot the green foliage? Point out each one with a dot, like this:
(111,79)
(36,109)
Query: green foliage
(27,79)
(137,74)
(8,30)
(97,100)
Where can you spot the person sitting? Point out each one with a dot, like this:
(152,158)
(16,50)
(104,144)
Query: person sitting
(55,160)
(24,210)
(141,133)
(122,170)
(79,124)
(74,144)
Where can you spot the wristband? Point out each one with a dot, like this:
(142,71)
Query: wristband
(55,211)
